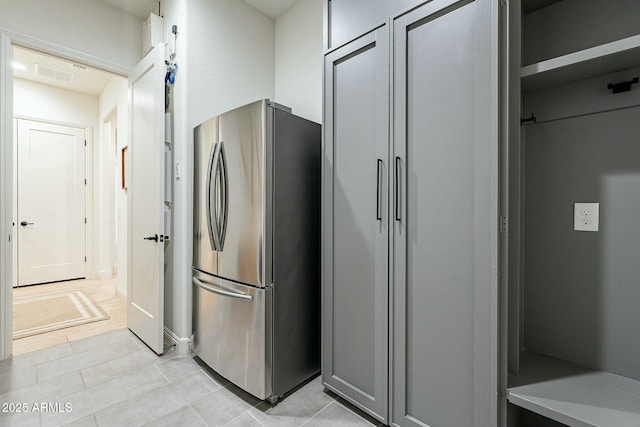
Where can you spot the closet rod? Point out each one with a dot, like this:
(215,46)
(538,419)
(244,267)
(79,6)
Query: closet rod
(537,122)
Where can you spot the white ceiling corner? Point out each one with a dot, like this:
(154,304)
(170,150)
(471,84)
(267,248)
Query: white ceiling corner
(138,8)
(272,8)
(142,8)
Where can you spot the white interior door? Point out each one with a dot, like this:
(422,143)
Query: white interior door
(51,202)
(145,187)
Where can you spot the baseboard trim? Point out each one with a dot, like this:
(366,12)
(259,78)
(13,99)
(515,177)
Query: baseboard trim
(121,291)
(105,275)
(183,345)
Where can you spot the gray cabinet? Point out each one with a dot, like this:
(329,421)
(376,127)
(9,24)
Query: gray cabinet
(347,19)
(445,217)
(436,236)
(356,222)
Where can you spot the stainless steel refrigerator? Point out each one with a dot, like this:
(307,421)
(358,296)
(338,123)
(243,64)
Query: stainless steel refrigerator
(256,248)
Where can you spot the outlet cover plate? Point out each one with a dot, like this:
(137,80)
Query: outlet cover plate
(586,216)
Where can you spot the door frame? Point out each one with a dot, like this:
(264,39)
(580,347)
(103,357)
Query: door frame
(88,190)
(8,39)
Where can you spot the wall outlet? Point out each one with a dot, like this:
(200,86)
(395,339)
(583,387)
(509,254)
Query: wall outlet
(586,216)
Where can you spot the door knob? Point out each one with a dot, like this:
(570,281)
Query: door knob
(25,223)
(154,238)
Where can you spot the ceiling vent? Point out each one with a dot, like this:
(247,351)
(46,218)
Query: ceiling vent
(79,67)
(52,73)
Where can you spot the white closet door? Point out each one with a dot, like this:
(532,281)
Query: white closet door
(51,202)
(145,187)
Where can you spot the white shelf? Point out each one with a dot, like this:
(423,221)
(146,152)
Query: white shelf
(575,396)
(599,60)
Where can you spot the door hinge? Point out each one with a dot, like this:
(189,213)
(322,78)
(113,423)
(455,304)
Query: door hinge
(85,259)
(85,181)
(504,225)
(85,142)
(504,2)
(85,220)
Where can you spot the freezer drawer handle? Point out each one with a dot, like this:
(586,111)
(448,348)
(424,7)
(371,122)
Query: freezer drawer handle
(219,291)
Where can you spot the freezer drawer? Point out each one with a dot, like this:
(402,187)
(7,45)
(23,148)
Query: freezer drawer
(232,331)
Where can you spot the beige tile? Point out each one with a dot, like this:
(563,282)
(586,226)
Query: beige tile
(101,291)
(38,342)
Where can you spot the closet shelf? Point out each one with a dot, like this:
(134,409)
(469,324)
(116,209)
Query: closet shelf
(573,395)
(604,59)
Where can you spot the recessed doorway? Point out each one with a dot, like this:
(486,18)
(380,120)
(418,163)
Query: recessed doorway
(69,206)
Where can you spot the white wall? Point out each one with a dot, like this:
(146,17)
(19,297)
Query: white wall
(231,57)
(36,100)
(90,27)
(113,113)
(177,295)
(230,62)
(299,59)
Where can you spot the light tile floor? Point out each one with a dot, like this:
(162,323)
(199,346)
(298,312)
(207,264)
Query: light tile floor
(113,379)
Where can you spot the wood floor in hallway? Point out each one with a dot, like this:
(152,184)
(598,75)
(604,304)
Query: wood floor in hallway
(102,292)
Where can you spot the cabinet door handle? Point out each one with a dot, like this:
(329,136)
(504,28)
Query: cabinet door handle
(379,191)
(397,192)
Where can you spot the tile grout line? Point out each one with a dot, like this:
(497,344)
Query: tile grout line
(355,413)
(197,414)
(316,414)
(163,375)
(124,400)
(252,416)
(236,417)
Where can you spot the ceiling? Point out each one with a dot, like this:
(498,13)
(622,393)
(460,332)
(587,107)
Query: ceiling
(272,8)
(138,8)
(142,8)
(46,69)
(53,71)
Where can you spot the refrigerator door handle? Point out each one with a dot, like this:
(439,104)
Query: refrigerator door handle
(379,191)
(214,219)
(210,212)
(207,287)
(224,197)
(398,199)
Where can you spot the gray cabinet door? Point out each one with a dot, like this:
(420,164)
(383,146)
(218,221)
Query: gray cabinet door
(355,222)
(347,19)
(445,215)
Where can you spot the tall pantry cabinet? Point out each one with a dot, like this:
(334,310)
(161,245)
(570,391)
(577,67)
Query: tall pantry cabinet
(410,209)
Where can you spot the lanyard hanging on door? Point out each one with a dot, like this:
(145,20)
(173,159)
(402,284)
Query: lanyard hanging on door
(172,70)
